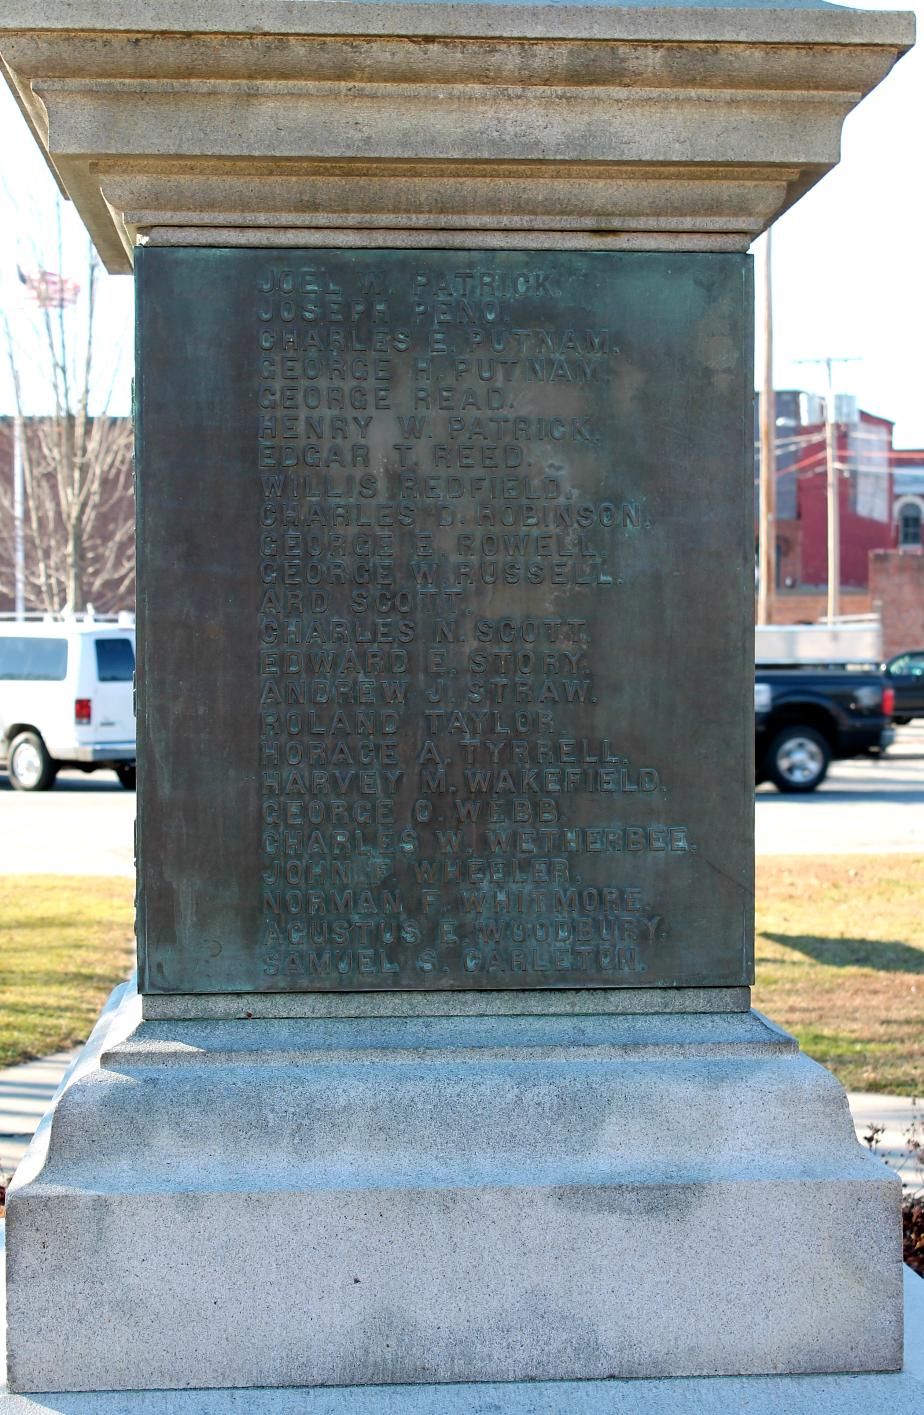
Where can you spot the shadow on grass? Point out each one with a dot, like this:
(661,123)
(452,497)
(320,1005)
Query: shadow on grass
(885,956)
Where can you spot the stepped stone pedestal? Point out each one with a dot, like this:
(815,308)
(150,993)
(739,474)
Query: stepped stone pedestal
(355,1201)
(441,1089)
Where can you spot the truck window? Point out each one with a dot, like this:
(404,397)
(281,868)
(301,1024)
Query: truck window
(33,660)
(115,660)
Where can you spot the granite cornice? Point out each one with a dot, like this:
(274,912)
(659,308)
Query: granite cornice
(695,122)
(135,59)
(815,22)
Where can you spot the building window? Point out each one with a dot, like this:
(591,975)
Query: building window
(909,532)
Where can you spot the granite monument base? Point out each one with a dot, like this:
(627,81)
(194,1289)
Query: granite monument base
(716,1395)
(424,1200)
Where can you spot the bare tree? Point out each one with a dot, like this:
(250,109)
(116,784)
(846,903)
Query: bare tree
(76,464)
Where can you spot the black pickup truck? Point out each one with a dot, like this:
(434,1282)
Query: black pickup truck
(807,717)
(905,673)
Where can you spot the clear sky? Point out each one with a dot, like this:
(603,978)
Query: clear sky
(848,260)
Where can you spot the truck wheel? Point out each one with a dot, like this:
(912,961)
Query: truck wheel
(126,775)
(798,759)
(29,765)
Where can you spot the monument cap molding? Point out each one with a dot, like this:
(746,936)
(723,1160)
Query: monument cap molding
(810,21)
(642,127)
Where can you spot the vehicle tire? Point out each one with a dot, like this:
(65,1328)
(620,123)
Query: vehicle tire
(126,775)
(29,765)
(798,759)
(901,721)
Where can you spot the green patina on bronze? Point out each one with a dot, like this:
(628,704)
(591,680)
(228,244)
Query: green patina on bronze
(445,562)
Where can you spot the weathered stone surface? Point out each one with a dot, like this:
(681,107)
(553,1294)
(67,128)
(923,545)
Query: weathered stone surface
(881,1394)
(456,1199)
(672,127)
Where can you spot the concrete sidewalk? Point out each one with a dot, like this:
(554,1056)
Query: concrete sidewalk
(896,1115)
(26,1092)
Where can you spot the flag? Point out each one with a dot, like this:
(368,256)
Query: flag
(47,290)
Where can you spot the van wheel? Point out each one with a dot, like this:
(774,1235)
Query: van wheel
(126,775)
(29,765)
(798,759)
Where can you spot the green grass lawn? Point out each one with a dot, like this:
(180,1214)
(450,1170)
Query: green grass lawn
(64,944)
(840,963)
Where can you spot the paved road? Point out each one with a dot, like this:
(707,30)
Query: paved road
(84,826)
(870,805)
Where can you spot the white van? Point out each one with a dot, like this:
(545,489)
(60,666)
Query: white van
(67,697)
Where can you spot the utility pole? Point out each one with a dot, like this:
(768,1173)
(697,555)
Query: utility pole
(19,541)
(834,502)
(766,535)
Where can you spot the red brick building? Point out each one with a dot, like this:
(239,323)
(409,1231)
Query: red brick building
(897,591)
(864,462)
(908,498)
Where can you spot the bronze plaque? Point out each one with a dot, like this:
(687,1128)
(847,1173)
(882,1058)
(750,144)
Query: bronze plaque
(445,592)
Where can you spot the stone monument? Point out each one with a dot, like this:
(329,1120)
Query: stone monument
(441,1066)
